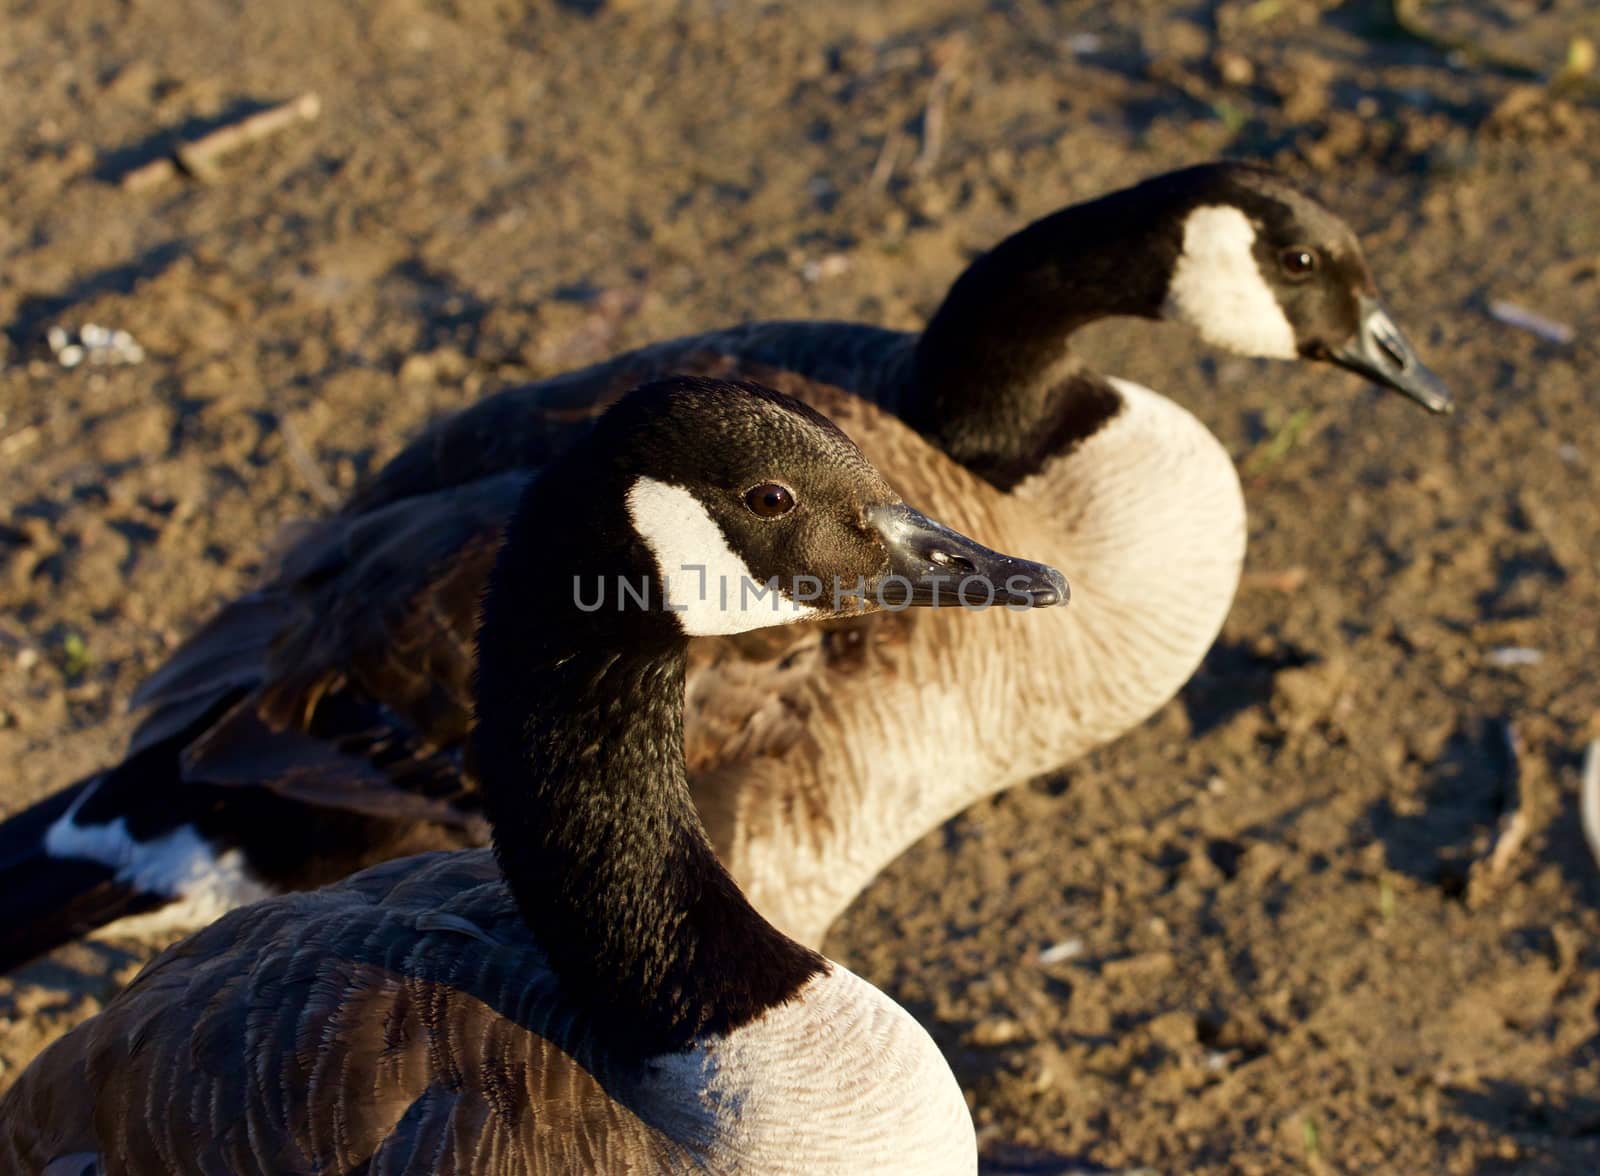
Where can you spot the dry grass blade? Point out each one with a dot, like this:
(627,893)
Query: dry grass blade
(883,169)
(305,464)
(1300,426)
(947,56)
(1290,579)
(932,126)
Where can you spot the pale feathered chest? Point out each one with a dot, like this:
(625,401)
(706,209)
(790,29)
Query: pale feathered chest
(1147,521)
(838,1082)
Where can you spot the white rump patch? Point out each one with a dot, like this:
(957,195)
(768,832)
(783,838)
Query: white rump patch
(1217,287)
(708,586)
(180,865)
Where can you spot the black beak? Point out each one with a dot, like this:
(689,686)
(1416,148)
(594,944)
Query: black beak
(1381,353)
(929,564)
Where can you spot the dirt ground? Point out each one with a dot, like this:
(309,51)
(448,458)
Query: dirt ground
(1287,925)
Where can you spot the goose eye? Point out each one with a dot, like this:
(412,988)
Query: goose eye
(1298,262)
(769,500)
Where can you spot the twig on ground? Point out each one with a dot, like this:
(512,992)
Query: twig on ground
(305,464)
(201,158)
(883,169)
(1514,823)
(1289,579)
(932,125)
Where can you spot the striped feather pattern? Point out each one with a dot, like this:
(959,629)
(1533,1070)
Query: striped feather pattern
(367,1030)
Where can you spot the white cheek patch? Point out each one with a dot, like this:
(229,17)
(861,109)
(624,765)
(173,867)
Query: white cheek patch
(1217,287)
(709,588)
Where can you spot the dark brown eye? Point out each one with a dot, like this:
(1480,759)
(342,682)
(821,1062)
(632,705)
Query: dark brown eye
(769,500)
(1298,262)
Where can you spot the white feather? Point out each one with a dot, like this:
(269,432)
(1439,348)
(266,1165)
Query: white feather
(1217,287)
(180,865)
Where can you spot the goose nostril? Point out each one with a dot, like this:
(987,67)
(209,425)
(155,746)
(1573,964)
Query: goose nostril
(956,563)
(1391,348)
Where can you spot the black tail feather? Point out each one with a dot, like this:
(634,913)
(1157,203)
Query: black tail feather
(47,901)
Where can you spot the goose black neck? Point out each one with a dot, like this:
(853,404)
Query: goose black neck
(995,383)
(580,753)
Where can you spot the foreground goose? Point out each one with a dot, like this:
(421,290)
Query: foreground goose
(610,1002)
(316,724)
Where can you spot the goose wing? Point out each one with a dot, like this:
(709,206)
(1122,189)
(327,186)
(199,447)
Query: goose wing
(343,681)
(357,1029)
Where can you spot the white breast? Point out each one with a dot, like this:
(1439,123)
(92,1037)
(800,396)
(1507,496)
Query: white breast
(839,1082)
(1147,520)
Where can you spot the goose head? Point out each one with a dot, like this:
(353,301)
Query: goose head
(1260,268)
(741,508)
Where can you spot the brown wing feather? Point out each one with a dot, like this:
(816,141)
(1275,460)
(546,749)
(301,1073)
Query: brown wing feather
(344,679)
(387,603)
(329,1033)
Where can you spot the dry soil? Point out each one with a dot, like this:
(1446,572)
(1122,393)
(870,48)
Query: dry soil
(1287,925)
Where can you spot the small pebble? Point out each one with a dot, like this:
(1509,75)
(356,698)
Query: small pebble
(98,345)
(821,268)
(1057,953)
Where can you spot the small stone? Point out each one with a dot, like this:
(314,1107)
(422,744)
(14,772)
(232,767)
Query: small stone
(1234,68)
(996,1031)
(1057,953)
(1175,1030)
(830,266)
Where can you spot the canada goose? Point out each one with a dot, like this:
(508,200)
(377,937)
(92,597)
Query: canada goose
(607,1000)
(342,682)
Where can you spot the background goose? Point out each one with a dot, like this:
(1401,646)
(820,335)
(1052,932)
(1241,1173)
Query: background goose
(611,1002)
(342,683)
